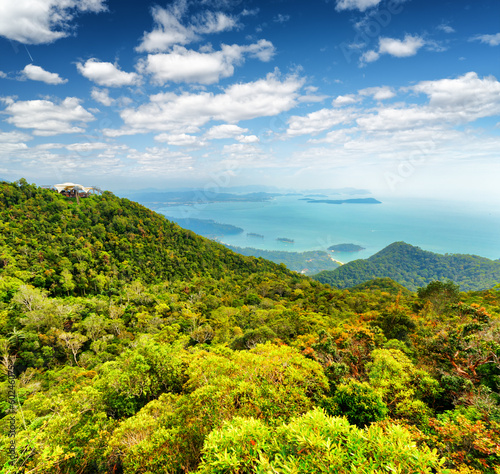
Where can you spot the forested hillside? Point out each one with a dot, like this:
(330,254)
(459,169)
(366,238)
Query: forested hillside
(413,267)
(102,243)
(138,347)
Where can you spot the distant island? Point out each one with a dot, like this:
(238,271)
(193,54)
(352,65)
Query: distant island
(206,227)
(253,234)
(345,201)
(284,239)
(346,248)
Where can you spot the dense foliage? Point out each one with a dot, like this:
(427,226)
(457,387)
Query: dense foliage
(100,244)
(414,268)
(227,364)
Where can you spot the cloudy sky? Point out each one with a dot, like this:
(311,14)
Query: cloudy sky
(398,96)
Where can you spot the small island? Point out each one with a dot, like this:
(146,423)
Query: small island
(284,239)
(345,201)
(253,234)
(345,248)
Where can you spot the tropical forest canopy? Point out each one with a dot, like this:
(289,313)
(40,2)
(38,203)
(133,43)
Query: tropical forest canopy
(140,347)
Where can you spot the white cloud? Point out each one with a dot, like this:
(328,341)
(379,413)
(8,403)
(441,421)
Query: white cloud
(360,5)
(180,139)
(248,138)
(318,121)
(169,31)
(492,40)
(157,160)
(101,96)
(342,100)
(13,141)
(446,28)
(186,112)
(47,118)
(107,74)
(86,147)
(42,21)
(280,18)
(394,47)
(400,48)
(2,74)
(36,73)
(225,130)
(379,93)
(213,22)
(469,95)
(369,56)
(183,65)
(247,153)
(451,102)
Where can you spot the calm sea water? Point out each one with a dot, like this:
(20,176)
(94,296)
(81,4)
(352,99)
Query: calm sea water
(438,226)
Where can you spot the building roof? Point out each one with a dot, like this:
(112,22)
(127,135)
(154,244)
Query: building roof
(72,186)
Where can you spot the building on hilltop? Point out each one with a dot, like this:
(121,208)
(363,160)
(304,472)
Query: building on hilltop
(73,190)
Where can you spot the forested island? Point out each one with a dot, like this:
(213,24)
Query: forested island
(344,201)
(156,200)
(253,234)
(346,248)
(207,227)
(285,239)
(135,346)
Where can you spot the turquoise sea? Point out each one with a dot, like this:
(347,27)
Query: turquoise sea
(438,226)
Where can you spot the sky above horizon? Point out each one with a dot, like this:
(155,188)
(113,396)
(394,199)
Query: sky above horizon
(398,96)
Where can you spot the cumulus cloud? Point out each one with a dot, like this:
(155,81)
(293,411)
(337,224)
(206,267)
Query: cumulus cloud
(13,141)
(409,46)
(342,100)
(169,30)
(360,5)
(186,112)
(369,56)
(47,118)
(225,130)
(42,21)
(492,40)
(183,65)
(101,96)
(451,102)
(401,48)
(248,138)
(378,93)
(2,74)
(107,74)
(36,73)
(180,139)
(316,122)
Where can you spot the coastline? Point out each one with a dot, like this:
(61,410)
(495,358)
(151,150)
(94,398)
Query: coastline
(336,261)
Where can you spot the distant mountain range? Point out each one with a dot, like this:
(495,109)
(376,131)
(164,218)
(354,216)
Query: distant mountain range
(413,268)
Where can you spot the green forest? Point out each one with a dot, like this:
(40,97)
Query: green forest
(141,347)
(413,268)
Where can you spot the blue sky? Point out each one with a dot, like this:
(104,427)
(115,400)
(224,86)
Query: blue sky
(401,97)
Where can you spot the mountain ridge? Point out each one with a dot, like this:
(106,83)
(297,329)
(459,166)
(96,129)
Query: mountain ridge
(414,267)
